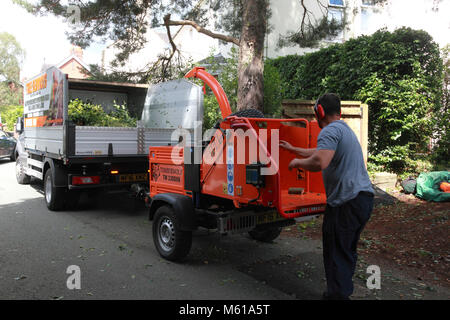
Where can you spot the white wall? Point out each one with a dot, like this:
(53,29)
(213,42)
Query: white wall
(362,20)
(287,16)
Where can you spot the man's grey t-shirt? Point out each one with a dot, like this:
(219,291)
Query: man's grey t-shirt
(346,175)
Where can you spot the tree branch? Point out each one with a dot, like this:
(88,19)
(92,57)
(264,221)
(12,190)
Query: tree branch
(167,24)
(200,29)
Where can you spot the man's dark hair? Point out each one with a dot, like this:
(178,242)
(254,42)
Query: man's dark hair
(331,104)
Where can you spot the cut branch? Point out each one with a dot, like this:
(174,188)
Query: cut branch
(169,35)
(200,29)
(166,64)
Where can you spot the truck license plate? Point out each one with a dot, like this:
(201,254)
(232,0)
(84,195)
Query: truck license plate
(135,177)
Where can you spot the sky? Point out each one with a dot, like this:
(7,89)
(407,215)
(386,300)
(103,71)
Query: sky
(44,39)
(418,14)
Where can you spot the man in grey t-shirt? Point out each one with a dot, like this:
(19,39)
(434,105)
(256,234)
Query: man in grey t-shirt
(349,193)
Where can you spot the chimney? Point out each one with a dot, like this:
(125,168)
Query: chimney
(77,51)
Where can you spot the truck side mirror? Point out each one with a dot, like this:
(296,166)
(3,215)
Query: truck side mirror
(19,125)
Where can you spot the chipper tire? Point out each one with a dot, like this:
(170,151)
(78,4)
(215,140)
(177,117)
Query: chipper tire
(265,234)
(172,243)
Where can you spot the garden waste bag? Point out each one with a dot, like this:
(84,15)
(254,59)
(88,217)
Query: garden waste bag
(428,184)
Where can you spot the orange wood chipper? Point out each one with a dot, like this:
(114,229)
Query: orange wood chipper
(237,180)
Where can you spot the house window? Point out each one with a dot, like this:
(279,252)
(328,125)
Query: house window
(338,16)
(368,2)
(336,3)
(366,21)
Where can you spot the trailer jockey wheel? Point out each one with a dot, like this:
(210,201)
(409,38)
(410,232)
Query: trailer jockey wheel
(266,234)
(172,244)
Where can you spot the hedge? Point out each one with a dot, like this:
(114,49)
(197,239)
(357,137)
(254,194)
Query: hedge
(398,74)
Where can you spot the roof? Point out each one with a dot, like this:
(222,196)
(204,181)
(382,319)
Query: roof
(218,58)
(46,66)
(218,61)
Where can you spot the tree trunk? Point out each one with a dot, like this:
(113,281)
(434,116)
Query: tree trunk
(251,55)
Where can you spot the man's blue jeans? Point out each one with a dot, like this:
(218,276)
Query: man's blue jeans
(341,229)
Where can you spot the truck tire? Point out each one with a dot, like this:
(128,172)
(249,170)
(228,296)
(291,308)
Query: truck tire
(21,176)
(172,244)
(54,197)
(265,234)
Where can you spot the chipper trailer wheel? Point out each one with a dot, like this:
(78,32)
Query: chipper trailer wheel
(172,243)
(265,234)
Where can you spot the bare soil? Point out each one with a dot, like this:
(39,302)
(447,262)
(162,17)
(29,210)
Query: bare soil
(406,234)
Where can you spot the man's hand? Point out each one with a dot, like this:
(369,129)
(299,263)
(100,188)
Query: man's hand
(294,164)
(286,145)
(317,162)
(301,152)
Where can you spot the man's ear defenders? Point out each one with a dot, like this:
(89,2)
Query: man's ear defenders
(318,110)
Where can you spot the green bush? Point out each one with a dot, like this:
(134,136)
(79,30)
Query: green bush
(272,91)
(9,116)
(120,117)
(441,150)
(398,74)
(87,114)
(227,77)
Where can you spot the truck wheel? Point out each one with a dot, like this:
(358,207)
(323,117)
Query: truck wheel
(21,176)
(172,244)
(54,197)
(266,234)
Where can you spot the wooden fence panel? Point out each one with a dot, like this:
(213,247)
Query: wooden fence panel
(354,113)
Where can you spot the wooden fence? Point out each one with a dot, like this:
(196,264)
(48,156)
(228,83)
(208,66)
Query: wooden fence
(354,113)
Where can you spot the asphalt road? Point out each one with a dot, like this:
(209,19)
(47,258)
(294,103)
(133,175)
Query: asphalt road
(113,247)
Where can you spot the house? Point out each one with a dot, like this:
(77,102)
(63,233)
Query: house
(72,65)
(361,17)
(214,64)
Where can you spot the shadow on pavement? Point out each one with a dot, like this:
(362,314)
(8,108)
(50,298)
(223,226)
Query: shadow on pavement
(4,161)
(301,276)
